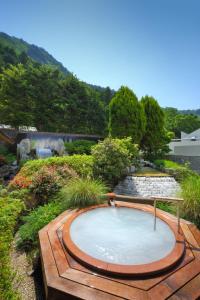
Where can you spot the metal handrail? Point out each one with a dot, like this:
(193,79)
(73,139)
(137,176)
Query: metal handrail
(112,197)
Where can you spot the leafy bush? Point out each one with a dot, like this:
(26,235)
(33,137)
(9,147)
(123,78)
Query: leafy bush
(45,184)
(20,182)
(191,196)
(79,147)
(7,155)
(81,164)
(2,160)
(9,212)
(82,192)
(111,158)
(36,220)
(178,171)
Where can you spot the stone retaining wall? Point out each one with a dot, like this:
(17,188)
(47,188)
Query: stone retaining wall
(146,186)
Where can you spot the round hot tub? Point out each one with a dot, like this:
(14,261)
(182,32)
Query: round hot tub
(121,240)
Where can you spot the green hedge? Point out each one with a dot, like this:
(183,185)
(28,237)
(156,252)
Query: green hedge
(79,147)
(82,164)
(9,212)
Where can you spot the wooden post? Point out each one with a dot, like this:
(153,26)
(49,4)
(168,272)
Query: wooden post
(154,203)
(178,216)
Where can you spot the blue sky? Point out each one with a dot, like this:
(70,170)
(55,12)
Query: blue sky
(152,46)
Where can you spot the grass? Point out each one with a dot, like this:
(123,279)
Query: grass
(82,192)
(191,199)
(36,220)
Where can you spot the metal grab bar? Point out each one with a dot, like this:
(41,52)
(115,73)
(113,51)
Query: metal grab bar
(112,197)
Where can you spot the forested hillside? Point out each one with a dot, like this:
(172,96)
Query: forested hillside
(36,53)
(36,90)
(177,121)
(40,95)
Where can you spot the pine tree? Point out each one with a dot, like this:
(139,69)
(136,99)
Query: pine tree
(126,115)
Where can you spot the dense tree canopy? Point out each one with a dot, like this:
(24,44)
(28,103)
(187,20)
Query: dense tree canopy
(126,115)
(186,123)
(177,122)
(38,95)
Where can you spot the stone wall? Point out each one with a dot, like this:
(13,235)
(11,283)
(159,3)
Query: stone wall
(193,160)
(147,186)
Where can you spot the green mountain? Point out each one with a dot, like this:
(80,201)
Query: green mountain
(190,111)
(36,53)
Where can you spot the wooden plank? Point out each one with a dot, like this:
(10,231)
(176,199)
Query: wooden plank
(72,290)
(190,291)
(174,282)
(196,233)
(106,285)
(191,240)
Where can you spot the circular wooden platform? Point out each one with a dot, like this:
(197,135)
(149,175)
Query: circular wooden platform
(66,278)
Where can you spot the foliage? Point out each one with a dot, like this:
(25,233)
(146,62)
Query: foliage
(9,212)
(48,180)
(178,171)
(20,182)
(186,123)
(45,184)
(21,48)
(79,147)
(191,195)
(6,155)
(2,160)
(39,95)
(36,220)
(178,121)
(81,164)
(166,206)
(111,158)
(126,115)
(82,192)
(154,141)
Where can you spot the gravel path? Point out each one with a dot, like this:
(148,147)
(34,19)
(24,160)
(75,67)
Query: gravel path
(22,282)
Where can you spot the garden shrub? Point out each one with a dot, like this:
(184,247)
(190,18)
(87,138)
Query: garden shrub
(36,220)
(2,160)
(79,147)
(6,155)
(45,184)
(111,159)
(9,212)
(190,191)
(81,164)
(20,182)
(178,171)
(82,192)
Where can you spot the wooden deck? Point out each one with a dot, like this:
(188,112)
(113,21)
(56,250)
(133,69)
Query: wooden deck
(65,278)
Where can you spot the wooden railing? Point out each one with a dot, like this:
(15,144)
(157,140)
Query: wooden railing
(148,200)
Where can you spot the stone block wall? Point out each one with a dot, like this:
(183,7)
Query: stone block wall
(147,186)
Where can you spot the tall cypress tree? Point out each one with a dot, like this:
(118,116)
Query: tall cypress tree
(155,138)
(126,115)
